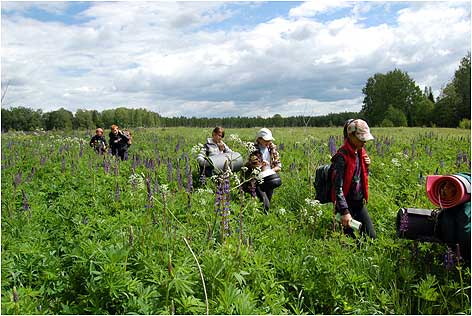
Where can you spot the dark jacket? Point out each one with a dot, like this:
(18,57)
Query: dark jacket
(118,142)
(98,143)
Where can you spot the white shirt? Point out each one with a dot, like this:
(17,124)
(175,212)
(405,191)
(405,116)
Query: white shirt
(265,155)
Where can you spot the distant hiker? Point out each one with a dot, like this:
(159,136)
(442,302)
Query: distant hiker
(119,142)
(266,160)
(214,146)
(98,141)
(350,185)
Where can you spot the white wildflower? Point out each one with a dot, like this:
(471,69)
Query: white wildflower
(250,147)
(235,137)
(311,219)
(395,162)
(164,188)
(282,211)
(196,149)
(137,179)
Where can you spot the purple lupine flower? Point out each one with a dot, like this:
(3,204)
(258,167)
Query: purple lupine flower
(202,178)
(189,180)
(25,201)
(413,150)
(378,146)
(404,222)
(226,207)
(177,147)
(31,175)
(332,145)
(134,164)
(179,177)
(42,161)
(441,163)
(169,170)
(281,146)
(81,152)
(17,179)
(292,166)
(117,192)
(218,197)
(149,192)
(125,156)
(63,164)
(459,159)
(115,168)
(106,166)
(158,160)
(449,259)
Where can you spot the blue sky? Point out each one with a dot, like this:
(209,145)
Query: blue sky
(223,58)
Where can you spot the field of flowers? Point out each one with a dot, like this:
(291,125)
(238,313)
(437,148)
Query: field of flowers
(87,234)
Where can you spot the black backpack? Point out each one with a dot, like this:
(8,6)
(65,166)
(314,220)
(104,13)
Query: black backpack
(323,183)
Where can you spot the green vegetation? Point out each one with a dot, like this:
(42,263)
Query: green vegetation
(86,234)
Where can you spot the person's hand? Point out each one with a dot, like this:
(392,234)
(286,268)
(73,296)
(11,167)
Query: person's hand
(367,160)
(346,220)
(276,169)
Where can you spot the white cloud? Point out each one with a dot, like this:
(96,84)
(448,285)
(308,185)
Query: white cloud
(168,57)
(312,8)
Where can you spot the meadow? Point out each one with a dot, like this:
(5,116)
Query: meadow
(87,234)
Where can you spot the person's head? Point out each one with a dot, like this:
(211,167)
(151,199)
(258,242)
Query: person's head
(114,129)
(99,132)
(264,137)
(218,134)
(358,133)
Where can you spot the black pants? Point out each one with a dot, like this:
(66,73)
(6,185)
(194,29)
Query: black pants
(359,212)
(264,193)
(121,152)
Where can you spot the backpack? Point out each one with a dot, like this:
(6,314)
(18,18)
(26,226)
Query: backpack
(323,183)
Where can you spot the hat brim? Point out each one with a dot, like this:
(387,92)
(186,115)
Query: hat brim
(266,138)
(365,137)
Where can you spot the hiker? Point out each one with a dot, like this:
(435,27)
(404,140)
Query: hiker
(267,159)
(98,142)
(119,142)
(350,178)
(213,146)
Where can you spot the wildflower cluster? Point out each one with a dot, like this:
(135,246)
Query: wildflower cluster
(137,181)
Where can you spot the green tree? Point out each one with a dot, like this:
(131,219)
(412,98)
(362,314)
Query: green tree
(395,116)
(21,119)
(60,119)
(395,88)
(461,84)
(83,119)
(422,112)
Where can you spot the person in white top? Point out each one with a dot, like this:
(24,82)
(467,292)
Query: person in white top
(213,146)
(267,159)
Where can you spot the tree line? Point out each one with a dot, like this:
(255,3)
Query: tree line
(391,99)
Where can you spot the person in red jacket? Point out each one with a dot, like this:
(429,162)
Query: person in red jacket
(350,178)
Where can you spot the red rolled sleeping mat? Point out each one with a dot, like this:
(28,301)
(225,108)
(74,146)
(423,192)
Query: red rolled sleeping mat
(447,191)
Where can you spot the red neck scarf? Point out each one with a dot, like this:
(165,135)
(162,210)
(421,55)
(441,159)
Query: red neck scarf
(348,151)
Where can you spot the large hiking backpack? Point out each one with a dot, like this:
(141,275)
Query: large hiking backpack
(323,183)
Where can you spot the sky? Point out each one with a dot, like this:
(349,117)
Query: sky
(220,59)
